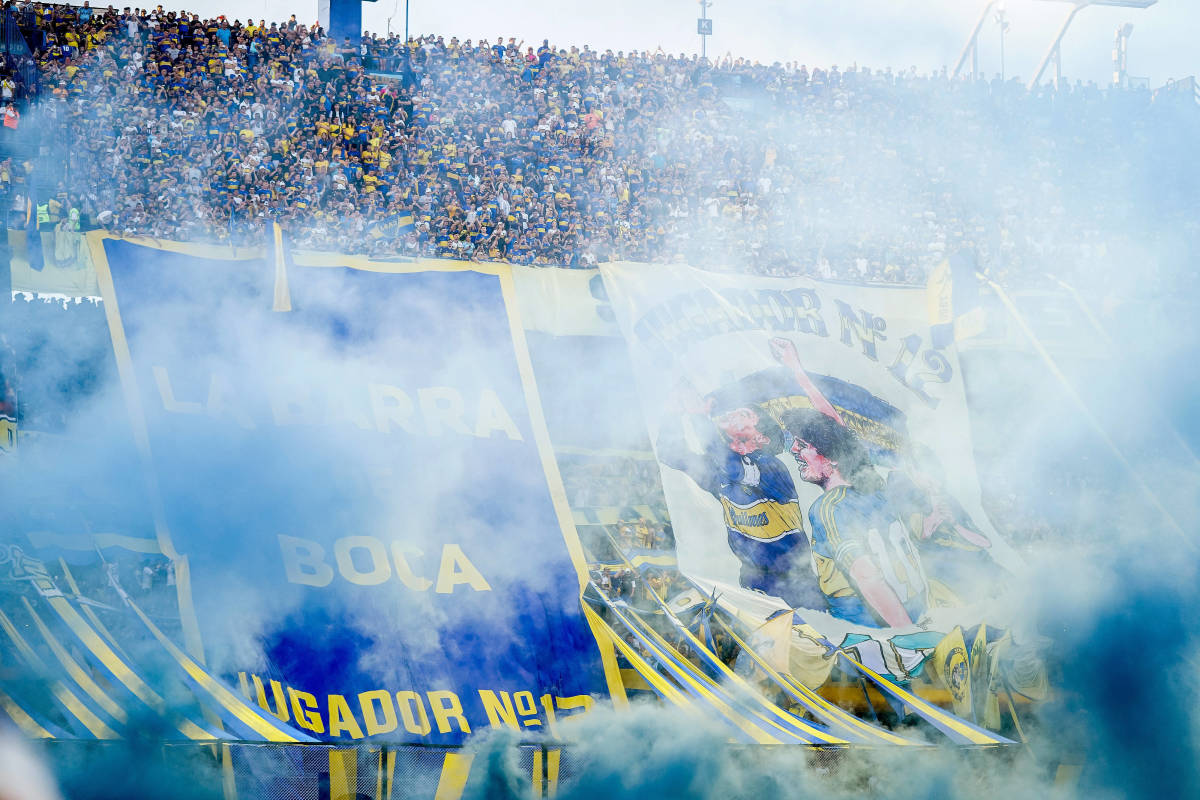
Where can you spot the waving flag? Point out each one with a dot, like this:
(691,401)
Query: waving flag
(952,298)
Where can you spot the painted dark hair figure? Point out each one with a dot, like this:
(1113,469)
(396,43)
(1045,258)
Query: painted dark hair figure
(867,567)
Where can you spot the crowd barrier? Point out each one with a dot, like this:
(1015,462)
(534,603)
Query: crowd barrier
(260,771)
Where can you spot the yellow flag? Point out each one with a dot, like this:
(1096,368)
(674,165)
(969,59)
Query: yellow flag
(972,323)
(283,295)
(950,666)
(986,701)
(939,295)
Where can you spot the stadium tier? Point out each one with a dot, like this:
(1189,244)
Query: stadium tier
(433,418)
(166,125)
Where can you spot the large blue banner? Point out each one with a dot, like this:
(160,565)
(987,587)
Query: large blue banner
(365,528)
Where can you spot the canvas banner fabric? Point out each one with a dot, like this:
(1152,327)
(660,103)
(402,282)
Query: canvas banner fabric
(814,447)
(357,494)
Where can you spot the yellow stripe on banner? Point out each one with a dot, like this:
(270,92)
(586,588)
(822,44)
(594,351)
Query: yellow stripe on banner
(141,435)
(971,733)
(119,668)
(706,689)
(657,561)
(19,642)
(848,718)
(652,676)
(95,726)
(26,723)
(343,774)
(634,680)
(378,775)
(684,676)
(89,542)
(727,674)
(456,768)
(86,609)
(228,777)
(538,779)
(283,295)
(558,492)
(842,718)
(77,673)
(704,684)
(552,757)
(323,259)
(69,699)
(228,700)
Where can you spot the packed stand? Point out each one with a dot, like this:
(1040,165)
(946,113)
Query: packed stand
(207,130)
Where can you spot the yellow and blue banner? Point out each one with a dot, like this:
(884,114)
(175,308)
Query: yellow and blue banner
(392,227)
(358,529)
(813,445)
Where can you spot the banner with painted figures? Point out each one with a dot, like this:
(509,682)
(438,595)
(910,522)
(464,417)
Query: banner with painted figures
(355,526)
(814,448)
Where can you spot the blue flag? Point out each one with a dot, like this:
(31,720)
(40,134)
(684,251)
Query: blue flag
(392,227)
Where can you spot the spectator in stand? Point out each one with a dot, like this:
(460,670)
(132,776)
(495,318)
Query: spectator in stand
(206,130)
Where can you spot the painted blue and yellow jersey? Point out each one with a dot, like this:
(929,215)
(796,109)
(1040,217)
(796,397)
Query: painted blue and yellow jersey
(847,525)
(763,522)
(758,500)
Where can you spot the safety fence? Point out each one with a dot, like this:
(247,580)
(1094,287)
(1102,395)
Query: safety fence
(268,771)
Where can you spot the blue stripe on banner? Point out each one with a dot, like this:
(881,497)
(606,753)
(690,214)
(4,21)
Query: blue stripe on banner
(28,722)
(684,678)
(83,718)
(250,721)
(746,698)
(728,676)
(128,685)
(844,723)
(957,729)
(768,731)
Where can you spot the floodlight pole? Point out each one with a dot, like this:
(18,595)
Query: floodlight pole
(1121,56)
(1055,51)
(704,4)
(972,45)
(1002,21)
(389,20)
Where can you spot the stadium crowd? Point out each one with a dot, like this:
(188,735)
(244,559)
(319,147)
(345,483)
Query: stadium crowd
(163,124)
